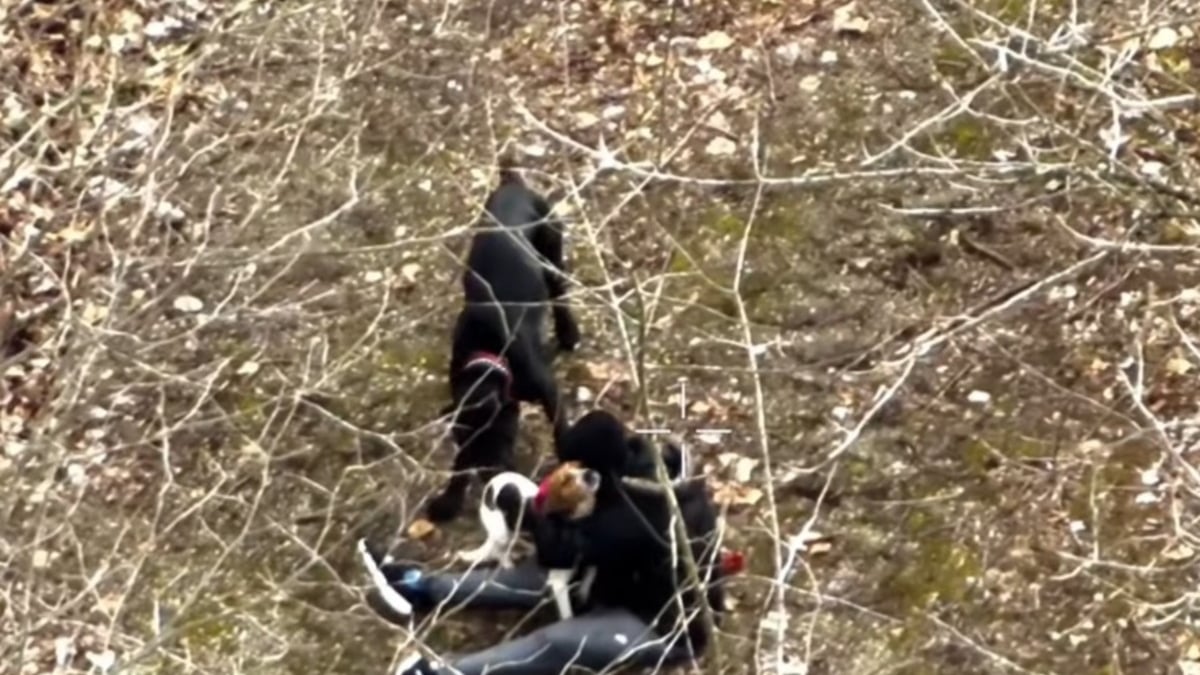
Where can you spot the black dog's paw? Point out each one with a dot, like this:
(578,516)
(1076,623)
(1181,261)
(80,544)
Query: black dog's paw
(444,507)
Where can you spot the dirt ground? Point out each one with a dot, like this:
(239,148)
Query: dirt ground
(934,265)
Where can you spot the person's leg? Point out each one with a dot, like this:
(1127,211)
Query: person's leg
(520,587)
(401,589)
(595,641)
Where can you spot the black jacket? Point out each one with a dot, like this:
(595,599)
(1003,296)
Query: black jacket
(629,536)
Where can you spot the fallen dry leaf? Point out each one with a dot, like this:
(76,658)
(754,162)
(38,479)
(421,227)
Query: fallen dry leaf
(94,314)
(421,528)
(1193,651)
(719,122)
(744,469)
(720,147)
(846,19)
(410,271)
(1164,38)
(820,548)
(102,661)
(732,494)
(605,370)
(586,120)
(1179,552)
(74,234)
(714,41)
(1179,366)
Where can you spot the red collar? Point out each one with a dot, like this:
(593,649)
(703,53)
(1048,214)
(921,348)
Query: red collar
(492,361)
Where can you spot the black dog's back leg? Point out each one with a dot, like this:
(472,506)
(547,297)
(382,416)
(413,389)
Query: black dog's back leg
(548,240)
(449,503)
(539,386)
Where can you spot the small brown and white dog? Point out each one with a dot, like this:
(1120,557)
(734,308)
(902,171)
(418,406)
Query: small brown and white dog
(569,490)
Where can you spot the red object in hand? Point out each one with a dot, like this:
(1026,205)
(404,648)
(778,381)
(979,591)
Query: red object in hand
(732,562)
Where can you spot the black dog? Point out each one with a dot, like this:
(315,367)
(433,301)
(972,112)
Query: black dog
(514,270)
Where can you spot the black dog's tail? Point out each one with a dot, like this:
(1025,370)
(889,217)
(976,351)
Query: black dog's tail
(508,171)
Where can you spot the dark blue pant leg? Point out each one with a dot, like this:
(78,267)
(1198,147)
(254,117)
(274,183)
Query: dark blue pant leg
(596,641)
(520,587)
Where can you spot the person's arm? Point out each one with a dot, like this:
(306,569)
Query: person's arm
(641,459)
(556,540)
(623,529)
(630,531)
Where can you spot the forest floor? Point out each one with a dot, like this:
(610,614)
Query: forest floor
(934,265)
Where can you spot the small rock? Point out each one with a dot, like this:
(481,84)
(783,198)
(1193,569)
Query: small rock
(829,57)
(188,303)
(789,53)
(613,112)
(711,436)
(168,214)
(534,150)
(102,661)
(810,83)
(1152,169)
(76,475)
(161,28)
(586,120)
(979,397)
